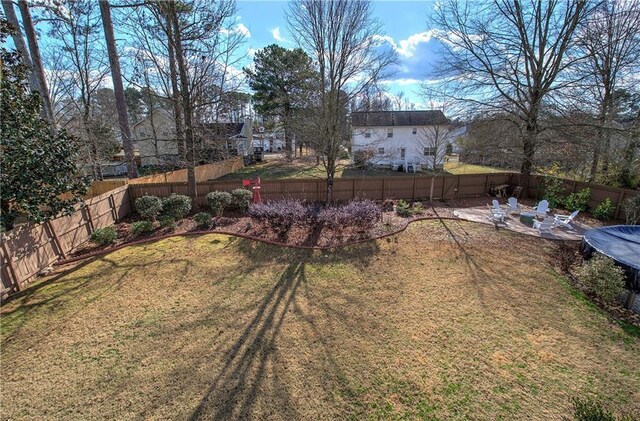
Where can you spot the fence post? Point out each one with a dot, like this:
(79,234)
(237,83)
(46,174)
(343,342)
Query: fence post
(619,205)
(444,181)
(91,227)
(353,188)
(457,192)
(486,182)
(282,189)
(383,188)
(16,281)
(317,190)
(413,191)
(56,240)
(112,203)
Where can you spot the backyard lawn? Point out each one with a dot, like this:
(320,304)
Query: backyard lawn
(275,167)
(448,320)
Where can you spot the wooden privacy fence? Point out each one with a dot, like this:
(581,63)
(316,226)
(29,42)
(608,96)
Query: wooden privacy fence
(28,249)
(598,192)
(203,172)
(375,188)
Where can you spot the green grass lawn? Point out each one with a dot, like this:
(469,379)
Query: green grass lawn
(277,168)
(447,320)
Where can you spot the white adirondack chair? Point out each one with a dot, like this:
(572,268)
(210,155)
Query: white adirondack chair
(496,214)
(564,220)
(544,226)
(513,206)
(542,208)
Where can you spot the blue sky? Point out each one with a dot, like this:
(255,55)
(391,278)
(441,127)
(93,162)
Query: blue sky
(405,26)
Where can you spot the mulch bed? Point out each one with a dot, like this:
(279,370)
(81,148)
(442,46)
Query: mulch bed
(297,235)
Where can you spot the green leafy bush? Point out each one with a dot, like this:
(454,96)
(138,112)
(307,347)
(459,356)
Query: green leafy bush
(241,198)
(219,201)
(604,210)
(167,221)
(141,227)
(148,207)
(632,210)
(589,410)
(103,236)
(603,277)
(553,189)
(176,206)
(406,209)
(403,209)
(578,200)
(203,219)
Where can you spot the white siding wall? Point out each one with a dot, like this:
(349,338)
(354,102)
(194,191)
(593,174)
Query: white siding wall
(403,137)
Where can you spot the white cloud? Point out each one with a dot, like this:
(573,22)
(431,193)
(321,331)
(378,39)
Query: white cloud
(238,28)
(401,82)
(242,29)
(407,47)
(275,32)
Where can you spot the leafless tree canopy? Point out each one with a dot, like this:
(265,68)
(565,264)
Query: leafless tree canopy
(340,36)
(509,57)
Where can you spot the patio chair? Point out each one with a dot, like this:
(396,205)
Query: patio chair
(544,226)
(564,220)
(496,214)
(542,208)
(513,206)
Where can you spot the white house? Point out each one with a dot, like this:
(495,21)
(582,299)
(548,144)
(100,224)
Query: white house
(401,139)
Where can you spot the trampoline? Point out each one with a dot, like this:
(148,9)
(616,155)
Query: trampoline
(622,244)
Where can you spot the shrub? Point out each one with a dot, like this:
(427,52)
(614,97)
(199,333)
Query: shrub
(632,210)
(148,207)
(603,277)
(141,227)
(281,215)
(358,213)
(203,219)
(241,198)
(176,206)
(219,201)
(403,209)
(387,205)
(589,410)
(167,221)
(104,236)
(361,157)
(578,201)
(604,210)
(418,208)
(553,188)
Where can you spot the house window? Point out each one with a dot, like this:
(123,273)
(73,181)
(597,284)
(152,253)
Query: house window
(367,134)
(429,151)
(380,151)
(390,133)
(414,131)
(403,153)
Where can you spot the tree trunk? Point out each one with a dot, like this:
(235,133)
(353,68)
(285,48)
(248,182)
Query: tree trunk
(594,163)
(186,105)
(37,83)
(177,108)
(288,145)
(118,89)
(18,40)
(528,144)
(433,182)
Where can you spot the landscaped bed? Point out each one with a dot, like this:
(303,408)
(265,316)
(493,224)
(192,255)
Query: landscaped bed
(447,320)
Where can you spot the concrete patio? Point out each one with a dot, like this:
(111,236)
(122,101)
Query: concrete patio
(512,222)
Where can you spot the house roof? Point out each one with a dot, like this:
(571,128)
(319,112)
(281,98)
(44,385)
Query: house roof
(224,129)
(398,118)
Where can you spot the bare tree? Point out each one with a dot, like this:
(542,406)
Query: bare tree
(508,57)
(116,76)
(339,35)
(610,38)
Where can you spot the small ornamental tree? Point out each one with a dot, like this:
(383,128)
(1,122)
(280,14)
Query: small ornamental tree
(40,178)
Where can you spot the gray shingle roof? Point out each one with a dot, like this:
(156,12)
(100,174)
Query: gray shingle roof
(397,118)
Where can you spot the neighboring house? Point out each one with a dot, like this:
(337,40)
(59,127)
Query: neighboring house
(156,139)
(270,140)
(398,139)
